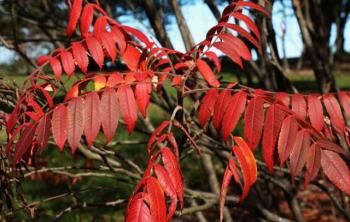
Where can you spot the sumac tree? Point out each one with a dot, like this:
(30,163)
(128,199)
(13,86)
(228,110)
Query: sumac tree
(300,134)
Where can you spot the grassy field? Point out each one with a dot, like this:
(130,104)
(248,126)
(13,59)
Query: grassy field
(307,83)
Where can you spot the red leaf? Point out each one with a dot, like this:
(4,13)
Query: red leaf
(59,124)
(114,79)
(220,108)
(207,73)
(253,121)
(159,141)
(86,19)
(176,81)
(72,93)
(168,188)
(56,68)
(287,137)
(232,114)
(43,130)
(46,95)
(138,210)
(143,92)
(24,142)
(334,112)
(80,56)
(213,57)
(248,165)
(42,59)
(273,122)
(128,107)
(345,103)
(119,38)
(283,97)
(131,57)
(109,106)
(108,43)
(243,33)
(249,157)
(34,116)
(172,141)
(315,112)
(75,111)
(173,169)
(11,120)
(156,133)
(100,26)
(92,117)
(252,5)
(95,50)
(228,50)
(299,152)
(223,191)
(313,163)
(336,170)
(234,171)
(36,107)
(156,200)
(67,62)
(299,105)
(142,37)
(249,22)
(129,78)
(207,106)
(74,17)
(236,44)
(328,145)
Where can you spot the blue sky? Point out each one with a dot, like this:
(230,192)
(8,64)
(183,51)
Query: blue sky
(200,19)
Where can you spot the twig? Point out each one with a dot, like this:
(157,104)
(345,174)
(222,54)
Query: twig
(88,205)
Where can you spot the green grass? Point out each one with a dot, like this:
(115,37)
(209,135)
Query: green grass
(14,79)
(305,83)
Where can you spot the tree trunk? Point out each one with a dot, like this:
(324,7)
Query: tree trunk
(340,23)
(181,22)
(284,32)
(213,8)
(316,42)
(157,22)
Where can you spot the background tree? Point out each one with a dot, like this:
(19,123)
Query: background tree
(316,19)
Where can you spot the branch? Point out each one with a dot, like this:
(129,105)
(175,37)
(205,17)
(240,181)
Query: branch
(85,205)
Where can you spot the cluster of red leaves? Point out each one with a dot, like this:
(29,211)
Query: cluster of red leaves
(86,114)
(106,40)
(278,119)
(273,120)
(248,167)
(160,181)
(220,37)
